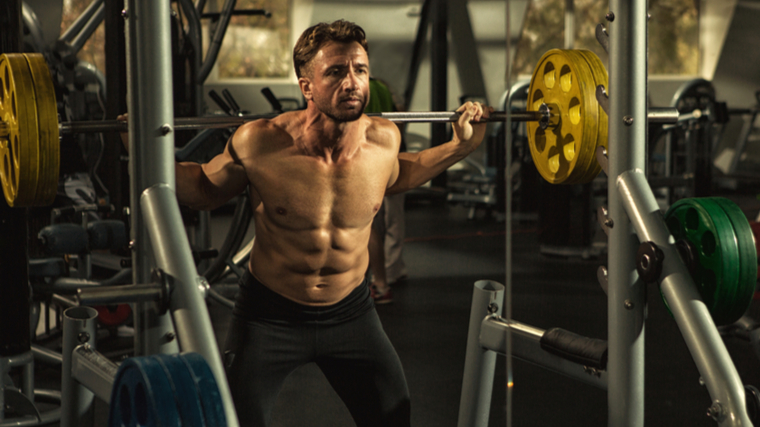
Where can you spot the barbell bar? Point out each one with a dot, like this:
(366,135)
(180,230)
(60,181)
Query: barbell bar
(212,122)
(664,115)
(565,122)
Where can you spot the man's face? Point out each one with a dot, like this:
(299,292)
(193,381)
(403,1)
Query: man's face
(339,81)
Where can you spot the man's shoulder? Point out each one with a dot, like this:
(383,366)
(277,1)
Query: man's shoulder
(383,131)
(265,131)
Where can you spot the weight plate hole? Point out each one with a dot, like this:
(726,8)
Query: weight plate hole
(549,75)
(569,148)
(126,406)
(2,92)
(708,243)
(7,170)
(554,163)
(538,99)
(7,80)
(674,226)
(574,112)
(692,219)
(540,140)
(141,405)
(565,79)
(709,284)
(13,105)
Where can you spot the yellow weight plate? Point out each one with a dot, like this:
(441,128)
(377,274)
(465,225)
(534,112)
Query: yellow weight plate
(601,78)
(19,147)
(566,79)
(47,117)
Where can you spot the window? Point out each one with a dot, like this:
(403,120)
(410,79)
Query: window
(92,51)
(673,34)
(254,46)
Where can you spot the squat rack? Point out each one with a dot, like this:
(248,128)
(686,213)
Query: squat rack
(634,216)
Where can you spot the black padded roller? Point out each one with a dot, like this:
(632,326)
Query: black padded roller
(586,351)
(60,239)
(108,234)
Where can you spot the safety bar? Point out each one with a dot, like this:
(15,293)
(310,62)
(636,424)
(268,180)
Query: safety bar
(171,250)
(691,314)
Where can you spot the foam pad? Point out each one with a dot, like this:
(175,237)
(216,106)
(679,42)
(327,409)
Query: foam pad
(60,239)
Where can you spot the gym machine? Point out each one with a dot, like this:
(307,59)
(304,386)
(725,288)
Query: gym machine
(701,254)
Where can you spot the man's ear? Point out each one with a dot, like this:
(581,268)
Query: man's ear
(305,84)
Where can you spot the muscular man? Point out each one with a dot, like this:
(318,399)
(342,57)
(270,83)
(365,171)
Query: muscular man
(317,177)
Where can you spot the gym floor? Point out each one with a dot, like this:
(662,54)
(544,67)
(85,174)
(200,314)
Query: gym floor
(446,253)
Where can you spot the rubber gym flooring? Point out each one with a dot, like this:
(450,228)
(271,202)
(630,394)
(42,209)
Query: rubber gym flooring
(445,254)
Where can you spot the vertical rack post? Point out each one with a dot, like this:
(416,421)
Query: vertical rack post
(151,142)
(627,151)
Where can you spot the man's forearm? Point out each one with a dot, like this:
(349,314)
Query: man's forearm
(418,168)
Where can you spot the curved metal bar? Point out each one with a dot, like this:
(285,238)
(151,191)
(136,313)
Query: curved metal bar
(77,25)
(216,43)
(92,24)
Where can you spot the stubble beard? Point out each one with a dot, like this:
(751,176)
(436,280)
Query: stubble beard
(340,115)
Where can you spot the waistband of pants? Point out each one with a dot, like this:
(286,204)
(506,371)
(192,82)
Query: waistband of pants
(255,301)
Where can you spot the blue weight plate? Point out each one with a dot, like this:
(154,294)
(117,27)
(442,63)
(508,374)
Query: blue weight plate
(211,399)
(142,396)
(185,391)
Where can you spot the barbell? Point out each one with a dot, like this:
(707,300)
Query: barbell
(565,122)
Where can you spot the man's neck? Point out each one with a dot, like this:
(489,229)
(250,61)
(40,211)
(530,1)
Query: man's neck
(323,134)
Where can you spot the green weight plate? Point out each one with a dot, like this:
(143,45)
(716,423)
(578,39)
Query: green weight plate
(706,225)
(745,288)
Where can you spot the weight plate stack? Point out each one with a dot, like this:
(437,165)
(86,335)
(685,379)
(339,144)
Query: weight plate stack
(19,131)
(186,395)
(142,395)
(567,79)
(47,117)
(205,385)
(724,251)
(29,144)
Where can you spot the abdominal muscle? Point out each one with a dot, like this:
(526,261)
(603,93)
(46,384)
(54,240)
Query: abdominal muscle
(311,267)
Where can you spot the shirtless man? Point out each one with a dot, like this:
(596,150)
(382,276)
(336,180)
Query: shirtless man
(317,177)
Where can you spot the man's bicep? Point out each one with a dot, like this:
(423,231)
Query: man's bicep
(225,173)
(400,177)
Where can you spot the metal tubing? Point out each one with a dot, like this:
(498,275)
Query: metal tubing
(526,346)
(216,42)
(121,294)
(80,22)
(151,142)
(76,400)
(89,28)
(220,122)
(94,371)
(46,355)
(188,307)
(627,151)
(480,363)
(692,316)
(663,115)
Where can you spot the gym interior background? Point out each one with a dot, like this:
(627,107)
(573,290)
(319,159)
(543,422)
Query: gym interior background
(492,217)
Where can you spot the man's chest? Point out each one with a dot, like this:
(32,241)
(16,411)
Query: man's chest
(306,192)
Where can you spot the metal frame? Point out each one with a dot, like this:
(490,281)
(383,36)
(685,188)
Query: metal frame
(634,216)
(158,236)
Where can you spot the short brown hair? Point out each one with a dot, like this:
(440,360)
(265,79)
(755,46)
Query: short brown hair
(320,34)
